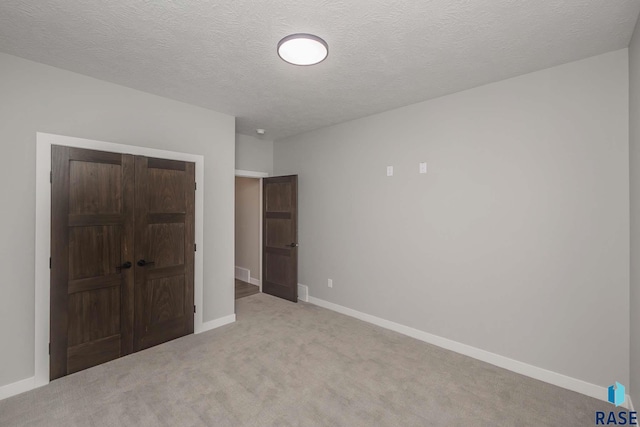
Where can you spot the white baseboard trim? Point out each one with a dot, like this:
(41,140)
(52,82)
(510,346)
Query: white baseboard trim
(522,368)
(251,174)
(254,281)
(17,387)
(243,274)
(216,323)
(303,293)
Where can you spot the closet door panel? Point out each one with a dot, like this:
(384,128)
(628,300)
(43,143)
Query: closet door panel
(165,233)
(91,240)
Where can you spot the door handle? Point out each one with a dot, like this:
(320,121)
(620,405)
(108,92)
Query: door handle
(292,245)
(143,263)
(124,266)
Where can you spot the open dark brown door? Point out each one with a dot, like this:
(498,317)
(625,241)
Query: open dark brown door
(280,237)
(165,203)
(92,250)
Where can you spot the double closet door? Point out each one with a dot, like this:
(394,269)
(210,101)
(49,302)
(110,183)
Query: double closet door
(122,254)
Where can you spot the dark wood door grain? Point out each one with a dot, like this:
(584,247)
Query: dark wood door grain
(109,211)
(280,237)
(91,238)
(165,235)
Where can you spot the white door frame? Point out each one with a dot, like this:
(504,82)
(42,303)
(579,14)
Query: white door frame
(44,142)
(260,176)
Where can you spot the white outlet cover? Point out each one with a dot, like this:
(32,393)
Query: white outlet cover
(389,170)
(423,167)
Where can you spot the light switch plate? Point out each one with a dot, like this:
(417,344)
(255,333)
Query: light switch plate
(389,170)
(423,167)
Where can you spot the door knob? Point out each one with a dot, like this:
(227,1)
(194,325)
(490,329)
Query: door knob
(143,263)
(124,266)
(293,245)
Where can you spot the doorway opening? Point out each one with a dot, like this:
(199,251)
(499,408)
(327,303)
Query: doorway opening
(266,235)
(248,233)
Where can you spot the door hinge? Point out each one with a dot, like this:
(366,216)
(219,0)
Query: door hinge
(51,176)
(194,308)
(49,348)
(49,263)
(195,185)
(195,247)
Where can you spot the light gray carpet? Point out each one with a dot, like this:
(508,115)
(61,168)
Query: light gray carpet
(285,364)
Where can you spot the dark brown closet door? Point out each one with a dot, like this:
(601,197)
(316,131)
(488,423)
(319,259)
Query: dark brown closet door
(164,224)
(91,244)
(280,240)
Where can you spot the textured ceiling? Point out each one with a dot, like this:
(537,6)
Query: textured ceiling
(382,54)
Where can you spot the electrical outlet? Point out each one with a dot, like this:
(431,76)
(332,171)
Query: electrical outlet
(330,283)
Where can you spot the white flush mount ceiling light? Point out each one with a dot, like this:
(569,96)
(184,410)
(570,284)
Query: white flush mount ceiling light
(303,49)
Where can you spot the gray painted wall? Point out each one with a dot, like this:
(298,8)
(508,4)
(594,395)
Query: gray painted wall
(38,98)
(254,154)
(517,239)
(247,229)
(634,150)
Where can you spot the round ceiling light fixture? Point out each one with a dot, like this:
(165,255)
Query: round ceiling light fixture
(303,49)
